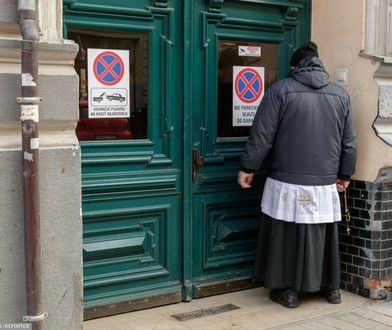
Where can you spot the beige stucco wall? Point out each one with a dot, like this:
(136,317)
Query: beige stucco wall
(338,29)
(59,167)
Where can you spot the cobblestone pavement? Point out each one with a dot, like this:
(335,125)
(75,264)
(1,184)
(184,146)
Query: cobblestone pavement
(256,312)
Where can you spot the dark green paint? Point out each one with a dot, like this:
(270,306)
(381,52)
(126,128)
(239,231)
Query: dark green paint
(148,229)
(225,219)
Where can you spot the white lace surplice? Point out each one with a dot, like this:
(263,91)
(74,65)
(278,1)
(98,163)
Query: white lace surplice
(301,204)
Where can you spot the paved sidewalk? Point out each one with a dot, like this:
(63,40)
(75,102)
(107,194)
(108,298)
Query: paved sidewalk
(256,312)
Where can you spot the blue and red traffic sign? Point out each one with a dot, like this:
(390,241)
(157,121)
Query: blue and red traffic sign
(248,85)
(108,68)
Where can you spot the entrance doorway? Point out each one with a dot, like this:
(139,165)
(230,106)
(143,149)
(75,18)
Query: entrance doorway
(163,217)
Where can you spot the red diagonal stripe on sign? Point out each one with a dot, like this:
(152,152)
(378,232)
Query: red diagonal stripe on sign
(248,85)
(108,68)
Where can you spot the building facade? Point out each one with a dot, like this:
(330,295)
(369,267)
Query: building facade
(138,183)
(357,41)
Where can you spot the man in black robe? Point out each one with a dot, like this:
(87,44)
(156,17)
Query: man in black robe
(304,125)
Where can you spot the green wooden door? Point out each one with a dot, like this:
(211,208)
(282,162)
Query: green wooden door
(131,168)
(225,219)
(163,218)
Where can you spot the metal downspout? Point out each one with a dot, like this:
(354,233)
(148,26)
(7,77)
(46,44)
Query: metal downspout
(30,155)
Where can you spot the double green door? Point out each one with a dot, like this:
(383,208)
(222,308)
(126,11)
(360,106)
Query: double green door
(163,217)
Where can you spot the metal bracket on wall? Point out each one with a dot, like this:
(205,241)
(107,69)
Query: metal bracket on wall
(27,99)
(35,318)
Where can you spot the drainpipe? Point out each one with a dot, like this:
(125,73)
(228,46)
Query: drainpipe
(30,152)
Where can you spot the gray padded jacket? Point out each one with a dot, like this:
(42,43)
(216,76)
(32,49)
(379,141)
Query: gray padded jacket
(303,126)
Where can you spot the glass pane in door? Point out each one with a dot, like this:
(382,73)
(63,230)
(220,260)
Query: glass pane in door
(234,54)
(115,127)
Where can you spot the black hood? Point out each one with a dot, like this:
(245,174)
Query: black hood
(310,72)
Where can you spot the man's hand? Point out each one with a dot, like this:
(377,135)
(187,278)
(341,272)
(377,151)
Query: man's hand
(245,179)
(342,185)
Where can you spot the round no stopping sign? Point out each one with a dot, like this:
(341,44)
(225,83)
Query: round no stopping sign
(248,85)
(108,68)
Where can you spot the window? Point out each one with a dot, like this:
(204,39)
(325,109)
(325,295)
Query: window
(132,126)
(265,56)
(378,29)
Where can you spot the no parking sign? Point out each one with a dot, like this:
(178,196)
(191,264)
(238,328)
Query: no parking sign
(108,83)
(248,91)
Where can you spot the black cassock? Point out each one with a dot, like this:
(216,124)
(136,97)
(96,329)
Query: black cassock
(303,257)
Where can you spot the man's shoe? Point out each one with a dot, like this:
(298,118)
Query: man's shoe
(332,296)
(286,297)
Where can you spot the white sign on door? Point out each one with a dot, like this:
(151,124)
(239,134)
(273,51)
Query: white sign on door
(248,91)
(108,83)
(253,51)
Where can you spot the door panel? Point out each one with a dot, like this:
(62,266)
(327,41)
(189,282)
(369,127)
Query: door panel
(225,219)
(228,229)
(129,253)
(131,187)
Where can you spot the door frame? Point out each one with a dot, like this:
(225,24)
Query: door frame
(183,28)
